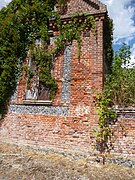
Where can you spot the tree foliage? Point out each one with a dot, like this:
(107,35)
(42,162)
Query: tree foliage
(119,90)
(120,83)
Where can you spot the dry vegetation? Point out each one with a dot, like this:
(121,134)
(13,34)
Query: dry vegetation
(22,163)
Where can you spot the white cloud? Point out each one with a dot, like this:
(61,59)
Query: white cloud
(4,3)
(122,13)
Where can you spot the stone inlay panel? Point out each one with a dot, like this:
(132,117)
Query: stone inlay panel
(126,114)
(66,74)
(34,109)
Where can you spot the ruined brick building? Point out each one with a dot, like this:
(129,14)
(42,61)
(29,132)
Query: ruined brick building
(67,122)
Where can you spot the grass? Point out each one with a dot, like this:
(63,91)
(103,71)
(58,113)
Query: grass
(18,163)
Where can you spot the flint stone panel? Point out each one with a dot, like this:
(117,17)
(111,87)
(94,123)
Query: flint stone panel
(66,74)
(34,109)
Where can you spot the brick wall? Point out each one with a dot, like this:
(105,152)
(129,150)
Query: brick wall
(124,136)
(68,123)
(67,133)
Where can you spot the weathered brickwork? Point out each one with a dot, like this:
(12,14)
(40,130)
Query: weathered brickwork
(124,136)
(67,133)
(71,133)
(69,121)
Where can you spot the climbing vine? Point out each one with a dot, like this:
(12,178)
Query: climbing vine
(107,118)
(21,24)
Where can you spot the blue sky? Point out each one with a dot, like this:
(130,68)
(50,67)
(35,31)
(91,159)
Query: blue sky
(123,14)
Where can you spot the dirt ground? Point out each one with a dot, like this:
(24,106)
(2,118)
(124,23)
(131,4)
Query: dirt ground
(22,163)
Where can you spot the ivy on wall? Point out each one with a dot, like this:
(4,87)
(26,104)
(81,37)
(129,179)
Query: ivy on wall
(21,23)
(108,40)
